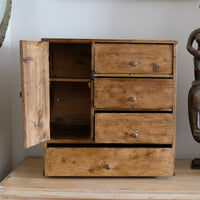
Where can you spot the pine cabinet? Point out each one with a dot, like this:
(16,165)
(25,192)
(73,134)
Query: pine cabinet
(102,107)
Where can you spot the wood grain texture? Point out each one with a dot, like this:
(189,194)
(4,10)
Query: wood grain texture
(146,128)
(70,40)
(149,94)
(133,58)
(94,161)
(92,128)
(35,91)
(135,75)
(69,80)
(75,97)
(27,182)
(174,97)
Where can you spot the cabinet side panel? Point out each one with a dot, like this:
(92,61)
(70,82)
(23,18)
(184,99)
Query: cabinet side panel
(174,97)
(35,91)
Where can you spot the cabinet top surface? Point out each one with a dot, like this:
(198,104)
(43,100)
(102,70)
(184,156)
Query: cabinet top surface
(70,40)
(27,181)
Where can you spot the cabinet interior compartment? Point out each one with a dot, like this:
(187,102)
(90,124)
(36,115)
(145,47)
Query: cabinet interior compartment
(70,60)
(70,110)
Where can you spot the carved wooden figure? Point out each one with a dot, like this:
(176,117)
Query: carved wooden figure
(194,93)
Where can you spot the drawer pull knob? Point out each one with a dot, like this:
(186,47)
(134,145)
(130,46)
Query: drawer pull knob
(155,67)
(132,98)
(133,63)
(108,166)
(134,135)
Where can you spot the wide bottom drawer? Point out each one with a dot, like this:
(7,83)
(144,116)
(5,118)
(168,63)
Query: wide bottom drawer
(107,162)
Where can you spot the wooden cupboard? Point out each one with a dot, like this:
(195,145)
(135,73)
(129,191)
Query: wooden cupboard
(101,107)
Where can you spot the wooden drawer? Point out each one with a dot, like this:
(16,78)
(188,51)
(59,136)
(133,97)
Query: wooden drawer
(83,161)
(145,128)
(133,58)
(133,94)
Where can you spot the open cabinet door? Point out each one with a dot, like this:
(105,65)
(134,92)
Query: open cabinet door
(35,91)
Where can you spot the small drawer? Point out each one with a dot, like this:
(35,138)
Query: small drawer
(135,128)
(133,94)
(97,161)
(133,58)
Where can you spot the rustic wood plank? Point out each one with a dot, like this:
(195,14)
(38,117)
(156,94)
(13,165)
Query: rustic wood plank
(92,129)
(28,182)
(133,94)
(69,80)
(108,162)
(35,91)
(146,128)
(64,140)
(133,58)
(64,40)
(174,98)
(135,75)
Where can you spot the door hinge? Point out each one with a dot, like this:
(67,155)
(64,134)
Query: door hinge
(92,75)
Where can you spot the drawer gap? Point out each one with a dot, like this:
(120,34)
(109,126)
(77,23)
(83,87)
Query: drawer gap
(131,77)
(61,145)
(130,111)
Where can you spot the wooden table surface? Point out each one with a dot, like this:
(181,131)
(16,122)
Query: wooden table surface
(27,182)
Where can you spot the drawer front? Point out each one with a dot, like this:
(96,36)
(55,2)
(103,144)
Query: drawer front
(133,58)
(109,162)
(145,128)
(133,94)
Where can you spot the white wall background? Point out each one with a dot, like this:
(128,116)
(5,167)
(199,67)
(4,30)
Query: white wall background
(111,19)
(5,109)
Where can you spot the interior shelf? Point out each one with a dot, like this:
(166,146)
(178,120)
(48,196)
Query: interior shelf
(69,80)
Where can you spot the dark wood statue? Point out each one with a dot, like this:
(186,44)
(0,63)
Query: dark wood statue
(194,93)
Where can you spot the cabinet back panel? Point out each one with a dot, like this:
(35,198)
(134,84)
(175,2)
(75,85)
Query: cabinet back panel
(70,60)
(70,110)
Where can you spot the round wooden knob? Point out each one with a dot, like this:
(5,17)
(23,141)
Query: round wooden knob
(155,67)
(134,135)
(132,98)
(133,63)
(108,166)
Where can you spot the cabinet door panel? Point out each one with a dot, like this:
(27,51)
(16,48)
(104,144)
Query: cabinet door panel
(35,91)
